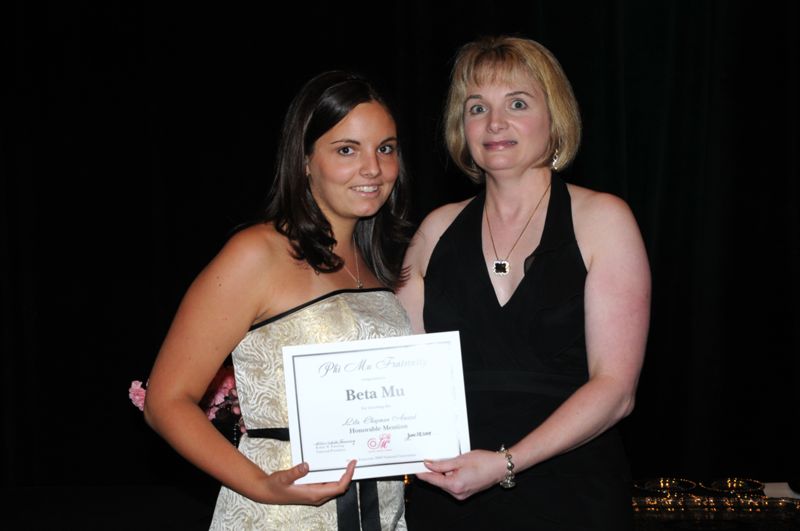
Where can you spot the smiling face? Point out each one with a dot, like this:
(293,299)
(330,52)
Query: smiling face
(354,165)
(507,125)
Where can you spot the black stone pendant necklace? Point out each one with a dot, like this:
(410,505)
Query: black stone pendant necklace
(502,267)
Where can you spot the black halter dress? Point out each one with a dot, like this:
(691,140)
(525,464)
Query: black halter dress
(521,361)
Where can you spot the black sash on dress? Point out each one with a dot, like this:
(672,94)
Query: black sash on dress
(357,508)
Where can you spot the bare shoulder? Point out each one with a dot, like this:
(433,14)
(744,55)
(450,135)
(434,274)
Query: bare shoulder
(249,256)
(245,269)
(593,204)
(259,243)
(429,232)
(602,221)
(435,223)
(595,212)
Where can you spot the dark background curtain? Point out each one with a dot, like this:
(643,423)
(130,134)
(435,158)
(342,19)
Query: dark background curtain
(136,137)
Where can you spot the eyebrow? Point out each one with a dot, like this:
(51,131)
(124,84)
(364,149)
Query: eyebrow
(356,142)
(508,95)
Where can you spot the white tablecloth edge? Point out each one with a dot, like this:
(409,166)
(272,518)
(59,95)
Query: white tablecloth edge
(779,490)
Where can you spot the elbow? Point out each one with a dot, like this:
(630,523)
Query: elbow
(626,405)
(149,414)
(619,399)
(152,411)
(163,410)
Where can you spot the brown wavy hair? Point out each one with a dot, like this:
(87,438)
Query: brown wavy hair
(381,239)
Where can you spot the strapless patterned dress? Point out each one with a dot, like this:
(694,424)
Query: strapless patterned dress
(343,315)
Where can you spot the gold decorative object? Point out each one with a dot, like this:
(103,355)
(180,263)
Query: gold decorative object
(719,499)
(735,486)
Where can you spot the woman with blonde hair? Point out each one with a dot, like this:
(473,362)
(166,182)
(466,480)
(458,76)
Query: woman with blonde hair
(548,284)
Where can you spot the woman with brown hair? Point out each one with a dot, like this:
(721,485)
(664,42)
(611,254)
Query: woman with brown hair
(319,268)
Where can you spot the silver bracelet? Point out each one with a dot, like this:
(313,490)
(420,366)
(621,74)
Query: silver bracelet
(507,481)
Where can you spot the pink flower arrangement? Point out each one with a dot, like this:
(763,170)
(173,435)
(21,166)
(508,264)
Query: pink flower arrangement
(136,394)
(221,393)
(220,401)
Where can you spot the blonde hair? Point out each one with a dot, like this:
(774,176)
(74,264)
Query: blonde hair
(504,58)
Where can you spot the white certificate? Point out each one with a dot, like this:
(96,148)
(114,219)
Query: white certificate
(389,403)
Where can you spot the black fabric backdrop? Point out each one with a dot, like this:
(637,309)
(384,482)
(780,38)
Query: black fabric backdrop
(135,138)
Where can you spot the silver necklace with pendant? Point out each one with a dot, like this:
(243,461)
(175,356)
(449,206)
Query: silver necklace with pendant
(357,276)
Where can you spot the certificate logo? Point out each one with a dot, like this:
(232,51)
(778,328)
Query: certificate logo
(379,443)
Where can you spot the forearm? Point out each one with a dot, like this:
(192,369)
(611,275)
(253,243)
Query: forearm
(187,429)
(590,411)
